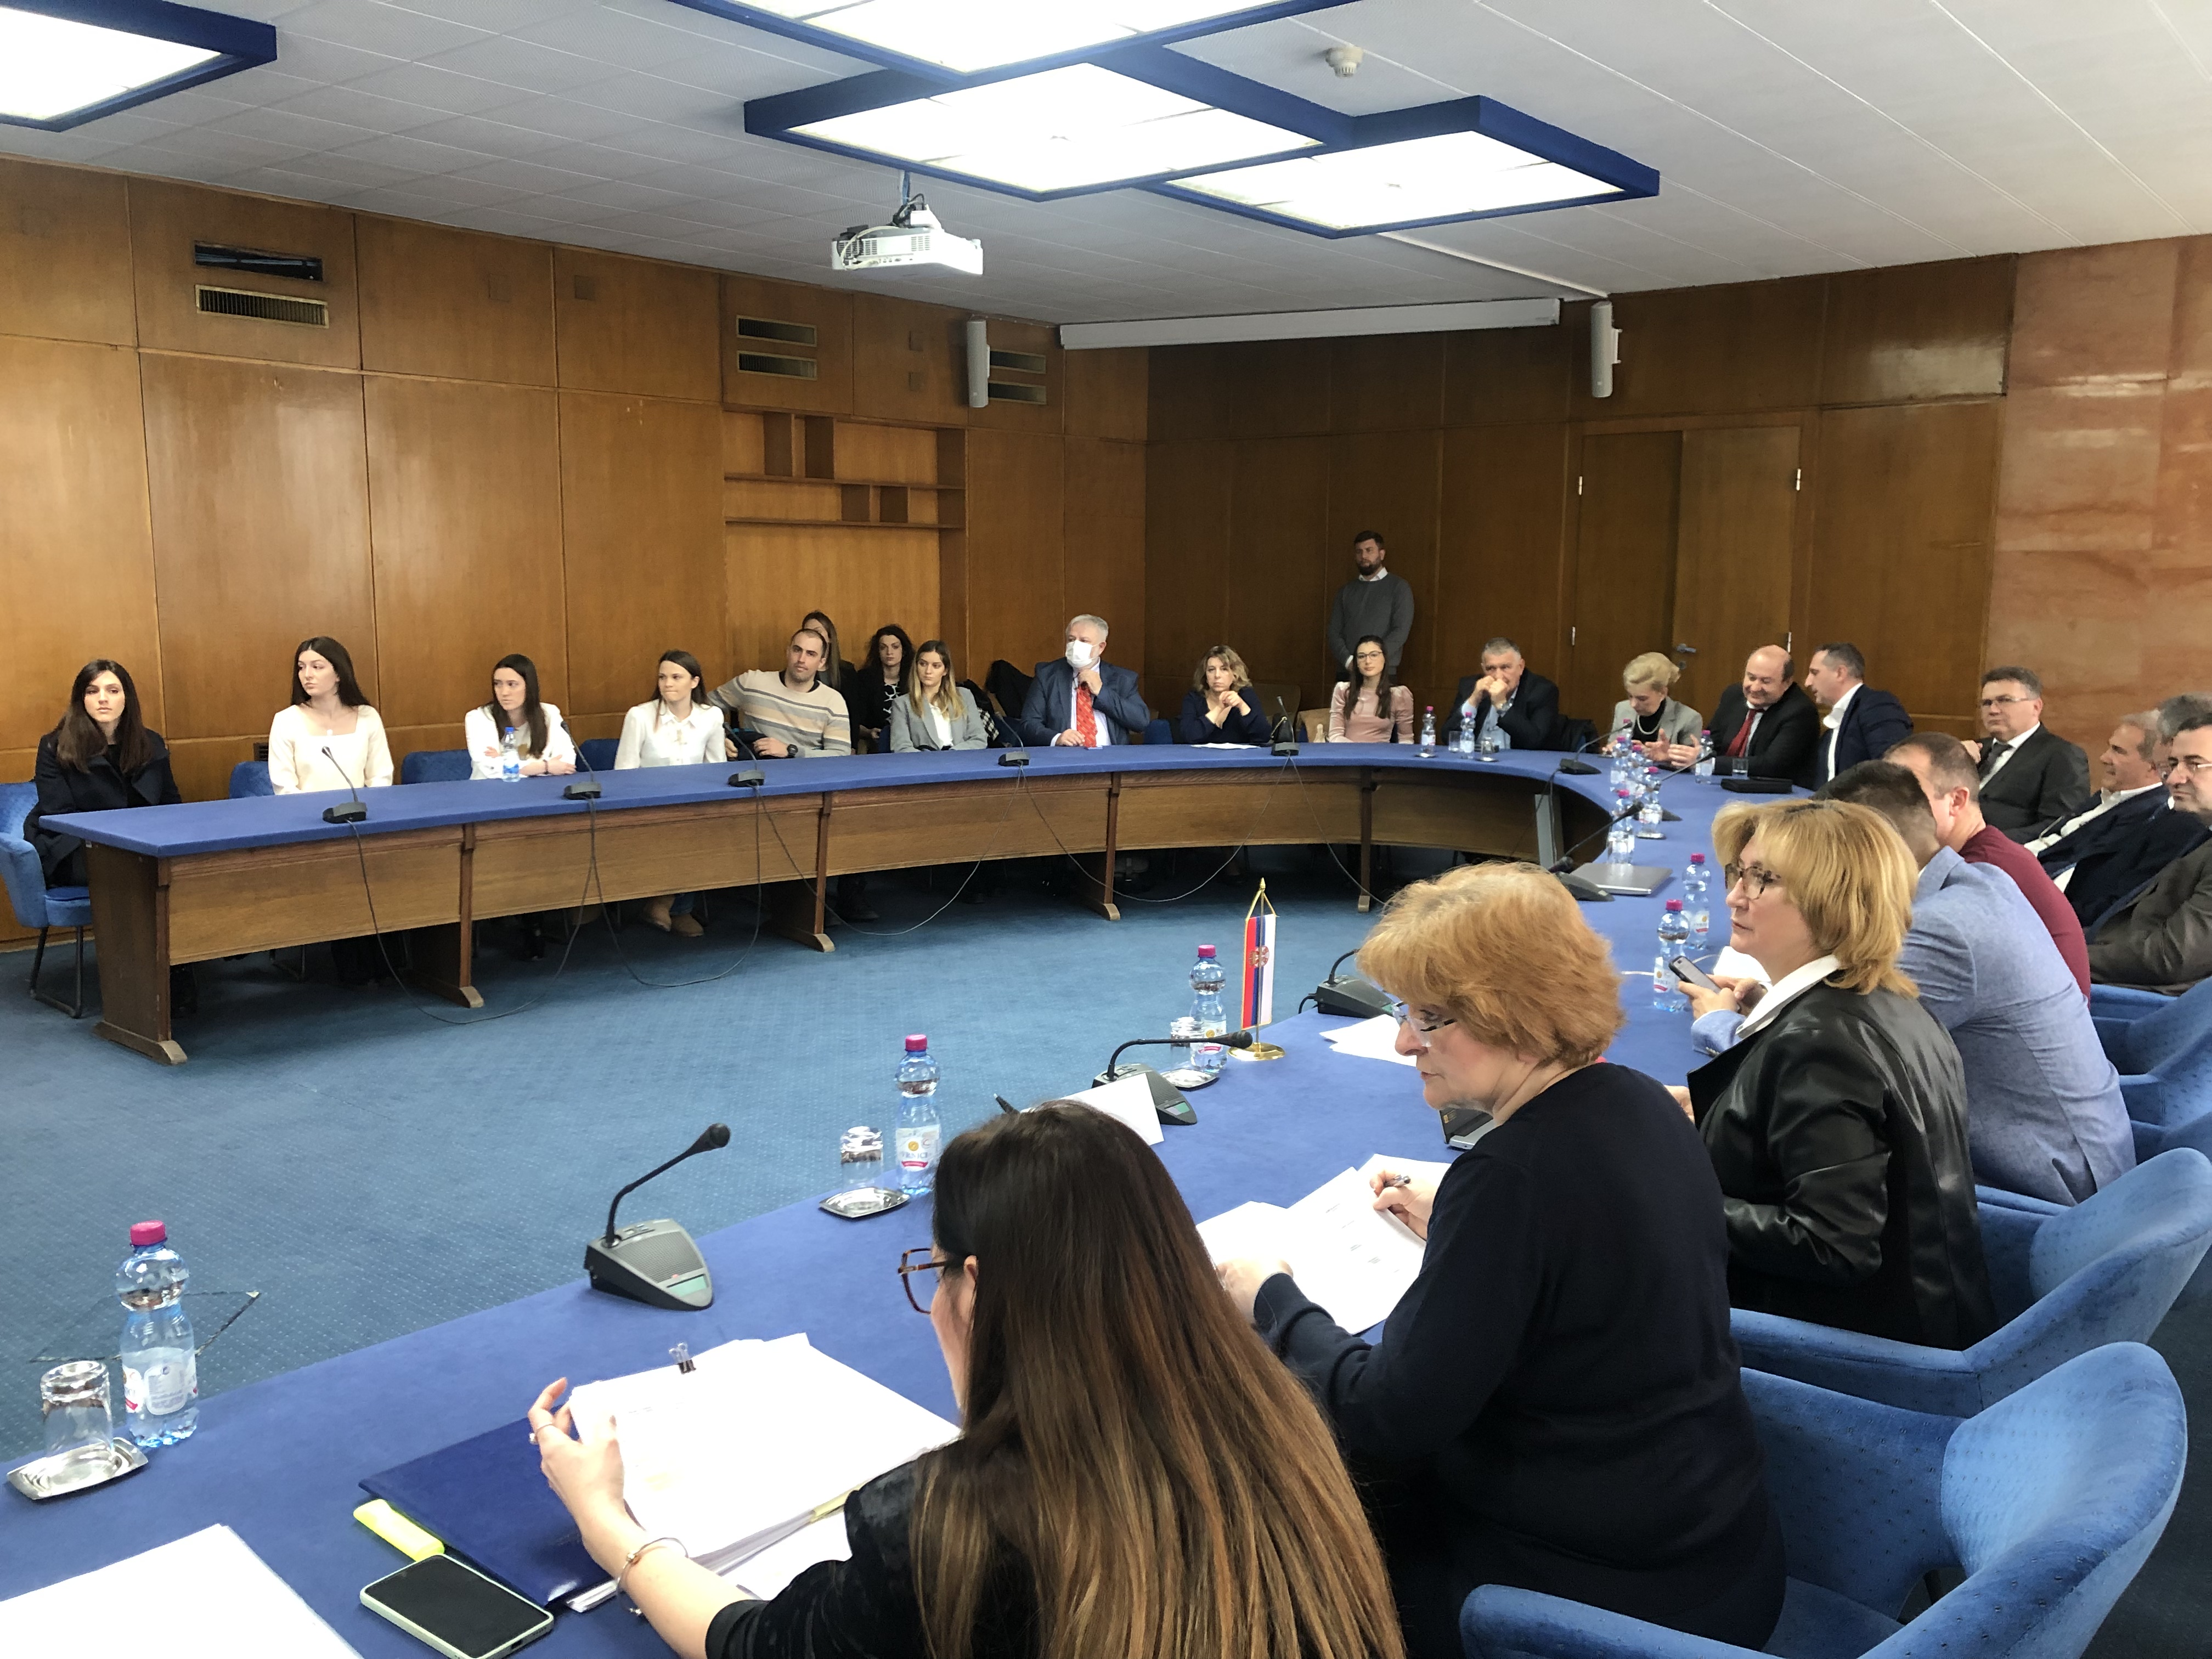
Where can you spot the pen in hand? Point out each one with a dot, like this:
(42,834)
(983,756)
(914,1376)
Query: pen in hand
(1397,1180)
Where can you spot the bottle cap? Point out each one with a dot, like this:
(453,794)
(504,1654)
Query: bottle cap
(1205,953)
(917,1044)
(1697,858)
(1673,904)
(143,1233)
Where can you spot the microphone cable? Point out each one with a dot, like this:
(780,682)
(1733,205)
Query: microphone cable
(974,870)
(1075,858)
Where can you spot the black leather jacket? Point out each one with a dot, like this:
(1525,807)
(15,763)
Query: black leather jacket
(1839,1136)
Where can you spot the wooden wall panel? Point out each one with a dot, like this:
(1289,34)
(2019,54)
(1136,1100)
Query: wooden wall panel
(1497,375)
(1734,553)
(886,454)
(828,312)
(865,579)
(1284,566)
(1106,393)
(1037,339)
(464,493)
(1186,393)
(1621,576)
(1275,388)
(1187,577)
(1912,332)
(1102,557)
(1731,349)
(635,326)
(1016,607)
(454,303)
(261,513)
(1387,383)
(641,512)
(167,219)
(1500,546)
(908,362)
(65,254)
(74,539)
(1386,482)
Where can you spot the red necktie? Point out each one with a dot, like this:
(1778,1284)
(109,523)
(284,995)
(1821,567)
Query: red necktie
(1086,722)
(1742,741)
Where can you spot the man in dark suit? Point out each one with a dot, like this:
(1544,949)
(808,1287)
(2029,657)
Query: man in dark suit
(1862,723)
(1766,726)
(1521,708)
(1082,701)
(2126,834)
(2029,774)
(2160,938)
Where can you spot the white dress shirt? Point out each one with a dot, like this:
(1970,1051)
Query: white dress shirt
(2012,747)
(481,737)
(940,729)
(359,758)
(1834,720)
(651,736)
(2105,800)
(1786,990)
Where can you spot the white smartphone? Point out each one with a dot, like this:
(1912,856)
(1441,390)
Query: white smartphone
(456,1609)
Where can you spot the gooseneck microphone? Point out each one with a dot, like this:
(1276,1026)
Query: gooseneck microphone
(1167,1099)
(655,1261)
(353,811)
(587,787)
(1283,735)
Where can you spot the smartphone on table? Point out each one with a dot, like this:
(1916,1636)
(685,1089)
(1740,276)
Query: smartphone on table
(456,1609)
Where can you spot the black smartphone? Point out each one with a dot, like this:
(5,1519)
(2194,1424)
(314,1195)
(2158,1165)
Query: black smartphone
(1688,971)
(456,1609)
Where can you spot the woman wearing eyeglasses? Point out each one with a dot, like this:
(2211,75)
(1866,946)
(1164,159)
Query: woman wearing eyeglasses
(1836,1123)
(1556,1404)
(1134,1474)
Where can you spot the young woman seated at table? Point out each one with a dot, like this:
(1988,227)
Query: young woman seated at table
(1367,708)
(878,685)
(103,755)
(329,737)
(936,711)
(1215,709)
(673,730)
(1556,1404)
(515,716)
(1135,1474)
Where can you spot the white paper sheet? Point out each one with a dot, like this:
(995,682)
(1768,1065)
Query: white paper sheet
(216,1599)
(1347,1256)
(1128,1102)
(1369,1039)
(766,1574)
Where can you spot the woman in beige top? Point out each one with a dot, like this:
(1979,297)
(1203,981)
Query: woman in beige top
(328,738)
(1368,708)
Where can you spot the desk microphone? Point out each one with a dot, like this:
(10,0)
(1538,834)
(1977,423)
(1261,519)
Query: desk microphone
(583,788)
(1167,1100)
(1282,743)
(353,812)
(655,1262)
(751,777)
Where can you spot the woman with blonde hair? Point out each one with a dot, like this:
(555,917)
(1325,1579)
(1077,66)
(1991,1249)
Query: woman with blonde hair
(936,711)
(1665,730)
(1215,709)
(1556,1404)
(1836,1123)
(1135,1474)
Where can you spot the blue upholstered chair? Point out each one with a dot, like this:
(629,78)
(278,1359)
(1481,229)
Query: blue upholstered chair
(2064,1281)
(2122,1003)
(598,753)
(35,904)
(2049,1501)
(1159,730)
(2165,1059)
(435,766)
(251,778)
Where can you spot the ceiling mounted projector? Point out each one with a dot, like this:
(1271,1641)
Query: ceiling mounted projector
(914,237)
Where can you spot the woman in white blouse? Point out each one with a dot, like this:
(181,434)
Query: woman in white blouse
(673,730)
(936,711)
(329,737)
(539,735)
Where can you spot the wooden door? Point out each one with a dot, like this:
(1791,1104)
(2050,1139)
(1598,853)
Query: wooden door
(1733,554)
(1625,558)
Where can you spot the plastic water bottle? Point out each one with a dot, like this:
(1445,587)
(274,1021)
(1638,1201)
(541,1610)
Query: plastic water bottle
(1621,840)
(1648,821)
(1206,1013)
(917,1118)
(1464,741)
(1620,748)
(1705,767)
(510,755)
(1697,901)
(1674,934)
(161,1376)
(1428,732)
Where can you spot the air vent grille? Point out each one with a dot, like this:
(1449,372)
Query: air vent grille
(1012,391)
(1022,362)
(298,267)
(761,363)
(266,307)
(767,328)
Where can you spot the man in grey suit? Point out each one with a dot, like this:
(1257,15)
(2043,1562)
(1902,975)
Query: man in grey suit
(1373,602)
(2028,774)
(2044,1111)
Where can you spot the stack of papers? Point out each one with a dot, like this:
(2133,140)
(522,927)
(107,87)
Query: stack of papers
(1128,1102)
(1352,1260)
(755,1447)
(1369,1039)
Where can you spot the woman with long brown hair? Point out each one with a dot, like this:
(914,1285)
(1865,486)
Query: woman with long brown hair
(1135,1474)
(101,755)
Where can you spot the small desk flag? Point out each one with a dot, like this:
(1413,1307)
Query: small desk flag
(1259,1008)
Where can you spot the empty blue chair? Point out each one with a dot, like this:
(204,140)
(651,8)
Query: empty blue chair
(2049,1501)
(35,904)
(2121,1005)
(2063,1280)
(435,766)
(1159,730)
(250,778)
(598,753)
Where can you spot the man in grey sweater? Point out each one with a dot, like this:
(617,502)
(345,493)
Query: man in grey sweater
(1373,602)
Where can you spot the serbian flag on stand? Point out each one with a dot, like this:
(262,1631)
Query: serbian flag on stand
(1259,962)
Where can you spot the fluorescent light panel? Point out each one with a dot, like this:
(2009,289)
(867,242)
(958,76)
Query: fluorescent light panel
(65,61)
(1078,127)
(1448,318)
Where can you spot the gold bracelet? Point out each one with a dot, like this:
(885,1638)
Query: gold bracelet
(630,1561)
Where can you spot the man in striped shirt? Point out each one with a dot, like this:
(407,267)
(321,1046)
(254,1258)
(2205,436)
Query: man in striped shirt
(793,711)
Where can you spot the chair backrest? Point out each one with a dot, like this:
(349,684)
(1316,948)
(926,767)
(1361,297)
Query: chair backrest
(25,876)
(1313,725)
(435,766)
(17,801)
(2163,1204)
(1269,698)
(1159,730)
(1575,735)
(251,778)
(598,753)
(2181,1026)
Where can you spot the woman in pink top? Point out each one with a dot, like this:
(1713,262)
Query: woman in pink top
(1368,708)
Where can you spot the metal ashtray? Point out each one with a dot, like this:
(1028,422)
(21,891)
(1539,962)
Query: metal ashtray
(861,1202)
(78,1469)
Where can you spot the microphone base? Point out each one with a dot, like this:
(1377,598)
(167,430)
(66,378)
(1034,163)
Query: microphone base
(1167,1097)
(655,1262)
(1284,751)
(1013,758)
(1578,769)
(1351,995)
(752,778)
(1584,889)
(352,812)
(582,789)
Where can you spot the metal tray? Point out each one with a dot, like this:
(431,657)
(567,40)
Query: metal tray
(77,1471)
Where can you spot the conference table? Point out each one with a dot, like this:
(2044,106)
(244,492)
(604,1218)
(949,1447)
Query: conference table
(208,879)
(279,1461)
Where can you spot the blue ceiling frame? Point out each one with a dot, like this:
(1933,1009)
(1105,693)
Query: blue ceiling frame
(759,17)
(241,43)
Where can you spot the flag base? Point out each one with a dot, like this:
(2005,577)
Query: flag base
(1258,1051)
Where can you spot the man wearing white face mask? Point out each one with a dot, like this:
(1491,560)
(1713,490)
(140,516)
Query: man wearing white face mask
(1083,702)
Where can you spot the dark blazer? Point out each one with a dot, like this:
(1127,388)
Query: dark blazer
(2107,876)
(1044,716)
(2046,776)
(1839,1132)
(1874,722)
(1191,725)
(1532,719)
(1788,736)
(2162,940)
(1558,1391)
(100,788)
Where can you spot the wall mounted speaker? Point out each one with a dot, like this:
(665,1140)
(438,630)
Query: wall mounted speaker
(1605,349)
(979,363)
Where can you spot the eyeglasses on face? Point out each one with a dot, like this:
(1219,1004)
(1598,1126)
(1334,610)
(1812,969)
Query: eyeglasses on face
(921,1264)
(1999,703)
(1406,1016)
(1755,880)
(2197,766)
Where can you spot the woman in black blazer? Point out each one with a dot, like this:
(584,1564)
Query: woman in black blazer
(101,757)
(1215,710)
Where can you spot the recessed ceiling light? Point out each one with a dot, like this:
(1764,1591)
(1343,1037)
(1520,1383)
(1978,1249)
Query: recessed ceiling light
(66,62)
(965,37)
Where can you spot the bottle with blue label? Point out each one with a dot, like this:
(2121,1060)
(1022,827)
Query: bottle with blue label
(161,1371)
(1208,1016)
(1697,897)
(918,1128)
(1674,936)
(510,755)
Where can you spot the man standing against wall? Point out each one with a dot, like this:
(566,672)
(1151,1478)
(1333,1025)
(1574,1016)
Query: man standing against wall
(1373,602)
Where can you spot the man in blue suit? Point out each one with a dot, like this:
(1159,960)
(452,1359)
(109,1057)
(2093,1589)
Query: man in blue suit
(1862,723)
(1083,702)
(2124,835)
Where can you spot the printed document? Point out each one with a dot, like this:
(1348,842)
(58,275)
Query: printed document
(1369,1039)
(1352,1258)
